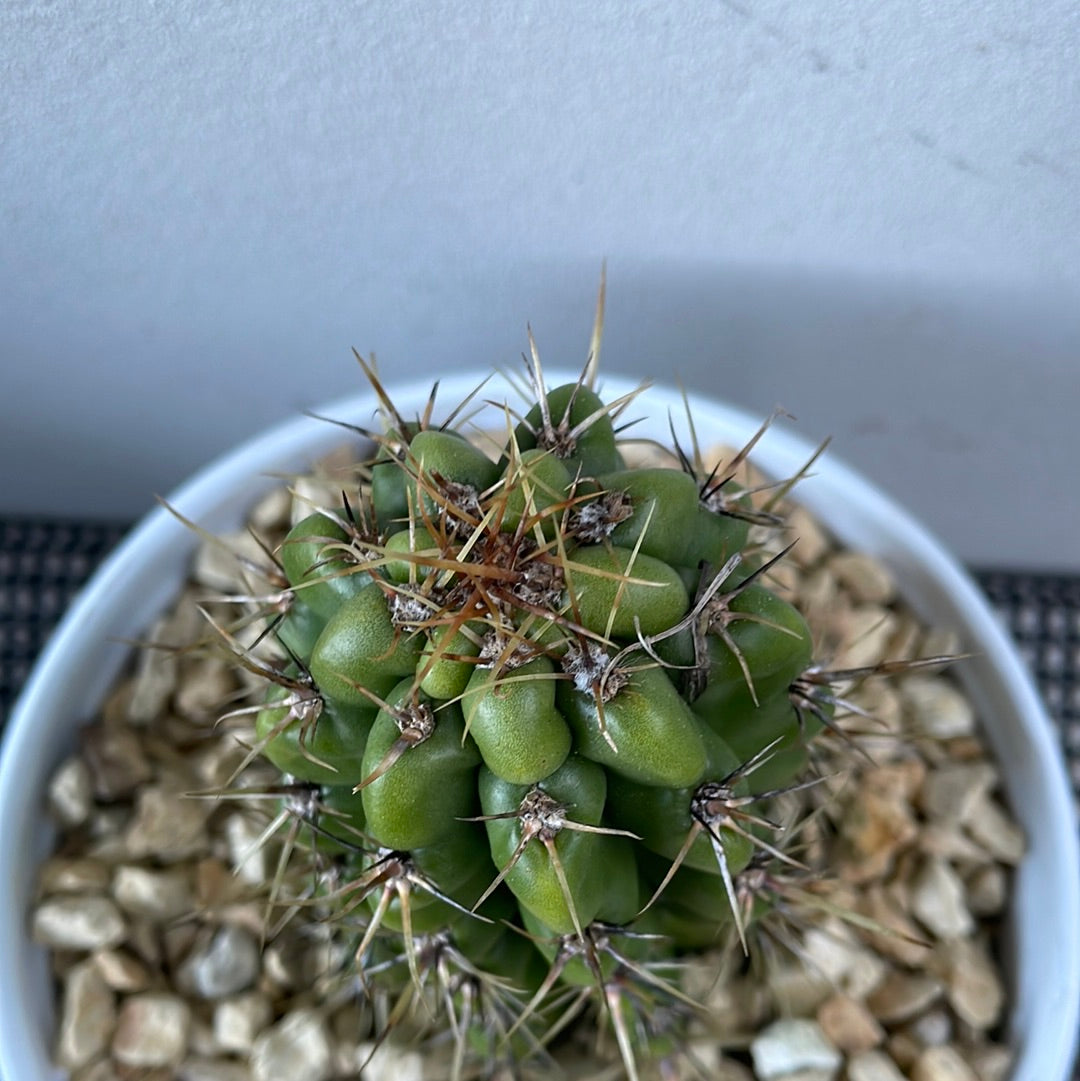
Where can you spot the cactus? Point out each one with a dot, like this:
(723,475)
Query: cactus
(533,706)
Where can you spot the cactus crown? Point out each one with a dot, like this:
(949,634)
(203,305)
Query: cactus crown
(531,709)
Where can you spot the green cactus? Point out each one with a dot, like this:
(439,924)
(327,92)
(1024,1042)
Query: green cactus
(530,702)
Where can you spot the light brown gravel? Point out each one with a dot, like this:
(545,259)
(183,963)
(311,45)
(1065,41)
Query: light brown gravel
(149,883)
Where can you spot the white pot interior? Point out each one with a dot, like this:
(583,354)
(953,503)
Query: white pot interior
(139,579)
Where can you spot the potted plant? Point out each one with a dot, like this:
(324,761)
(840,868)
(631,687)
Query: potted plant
(563,629)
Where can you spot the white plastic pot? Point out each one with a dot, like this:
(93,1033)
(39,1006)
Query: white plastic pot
(139,580)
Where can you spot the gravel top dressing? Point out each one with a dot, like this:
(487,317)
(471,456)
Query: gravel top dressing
(182,940)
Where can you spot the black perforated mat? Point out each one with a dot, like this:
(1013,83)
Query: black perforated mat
(43,563)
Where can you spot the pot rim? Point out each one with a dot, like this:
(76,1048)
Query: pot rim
(41,729)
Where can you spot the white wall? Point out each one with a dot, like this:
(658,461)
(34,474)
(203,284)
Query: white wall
(866,212)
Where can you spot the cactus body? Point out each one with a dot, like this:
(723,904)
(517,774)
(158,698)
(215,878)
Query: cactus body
(535,689)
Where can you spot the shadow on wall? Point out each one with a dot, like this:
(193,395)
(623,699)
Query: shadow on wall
(959,401)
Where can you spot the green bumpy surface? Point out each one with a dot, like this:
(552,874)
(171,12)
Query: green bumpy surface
(520,677)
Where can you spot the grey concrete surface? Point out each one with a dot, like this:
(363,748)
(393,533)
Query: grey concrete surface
(869,214)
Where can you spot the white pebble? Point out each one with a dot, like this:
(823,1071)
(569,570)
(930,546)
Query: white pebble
(931,1029)
(903,995)
(121,971)
(79,923)
(390,1062)
(873,1066)
(995,832)
(62,875)
(216,564)
(868,635)
(227,964)
(272,511)
(867,579)
(987,890)
(938,901)
(790,1045)
(846,963)
(248,857)
(942,1064)
(159,896)
(298,1048)
(811,540)
(938,708)
(152,1030)
(849,1025)
(155,678)
(973,985)
(168,825)
(71,793)
(238,1020)
(952,791)
(87,1018)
